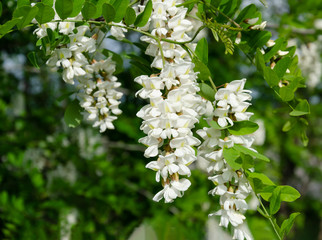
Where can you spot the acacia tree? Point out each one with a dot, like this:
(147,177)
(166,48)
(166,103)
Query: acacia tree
(178,87)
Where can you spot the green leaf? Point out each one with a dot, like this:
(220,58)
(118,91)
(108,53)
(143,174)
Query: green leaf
(64,8)
(286,93)
(257,39)
(279,44)
(27,13)
(108,12)
(248,12)
(248,161)
(281,66)
(130,16)
(33,59)
(88,10)
(77,7)
(289,125)
(231,156)
(243,128)
(271,77)
(215,125)
(304,138)
(275,201)
(261,184)
(99,7)
(203,70)
(188,2)
(21,3)
(245,150)
(5,28)
(48,2)
(260,62)
(120,7)
(202,50)
(73,116)
(143,18)
(45,14)
(207,92)
(289,194)
(302,108)
(288,223)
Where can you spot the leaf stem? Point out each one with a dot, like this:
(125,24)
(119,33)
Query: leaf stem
(269,217)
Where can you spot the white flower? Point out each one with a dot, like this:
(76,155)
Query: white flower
(259,26)
(172,190)
(118,31)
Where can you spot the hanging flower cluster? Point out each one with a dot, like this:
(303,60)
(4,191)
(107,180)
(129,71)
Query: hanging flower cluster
(230,184)
(95,81)
(174,106)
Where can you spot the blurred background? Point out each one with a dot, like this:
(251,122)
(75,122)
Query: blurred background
(75,183)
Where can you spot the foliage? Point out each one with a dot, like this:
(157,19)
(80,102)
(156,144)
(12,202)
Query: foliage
(48,170)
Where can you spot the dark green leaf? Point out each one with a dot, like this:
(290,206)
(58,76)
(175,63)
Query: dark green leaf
(248,161)
(279,44)
(207,92)
(88,10)
(64,8)
(248,12)
(45,14)
(73,116)
(108,12)
(21,3)
(271,77)
(232,158)
(120,7)
(99,7)
(188,2)
(130,16)
(33,59)
(281,66)
(289,125)
(0,9)
(260,63)
(77,7)
(203,70)
(48,2)
(202,50)
(257,39)
(302,108)
(5,28)
(243,128)
(288,223)
(245,150)
(27,13)
(143,18)
(275,201)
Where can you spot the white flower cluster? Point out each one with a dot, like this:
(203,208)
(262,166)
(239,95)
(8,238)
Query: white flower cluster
(95,80)
(231,185)
(232,103)
(310,62)
(174,107)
